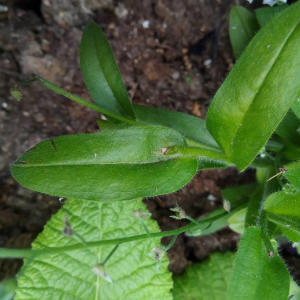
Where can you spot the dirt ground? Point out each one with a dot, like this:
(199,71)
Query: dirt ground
(172,54)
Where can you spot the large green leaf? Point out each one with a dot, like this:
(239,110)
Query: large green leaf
(205,281)
(101,73)
(69,275)
(284,210)
(292,174)
(122,165)
(265,14)
(259,90)
(242,28)
(255,275)
(192,128)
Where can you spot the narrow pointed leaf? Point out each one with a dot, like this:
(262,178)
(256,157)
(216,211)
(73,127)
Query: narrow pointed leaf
(106,167)
(259,90)
(255,274)
(242,28)
(69,275)
(101,73)
(192,128)
(205,281)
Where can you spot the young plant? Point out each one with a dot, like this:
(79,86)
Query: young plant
(97,246)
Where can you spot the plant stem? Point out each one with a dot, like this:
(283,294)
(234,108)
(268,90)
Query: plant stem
(144,226)
(28,253)
(110,254)
(172,242)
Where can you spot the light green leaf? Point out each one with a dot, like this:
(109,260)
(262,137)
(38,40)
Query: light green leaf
(69,276)
(255,275)
(242,28)
(205,281)
(265,14)
(106,167)
(8,288)
(259,90)
(284,210)
(237,221)
(101,73)
(192,128)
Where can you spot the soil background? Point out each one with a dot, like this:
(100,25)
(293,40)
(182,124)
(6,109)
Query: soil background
(172,54)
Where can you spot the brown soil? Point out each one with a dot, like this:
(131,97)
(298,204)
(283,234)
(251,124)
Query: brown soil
(172,54)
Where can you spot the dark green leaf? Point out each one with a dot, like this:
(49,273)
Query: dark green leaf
(265,14)
(256,276)
(292,174)
(106,167)
(259,90)
(242,28)
(101,73)
(296,107)
(192,128)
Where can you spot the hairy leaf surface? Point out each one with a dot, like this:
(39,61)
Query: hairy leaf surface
(293,173)
(242,28)
(69,275)
(255,274)
(101,73)
(259,90)
(265,14)
(119,165)
(205,281)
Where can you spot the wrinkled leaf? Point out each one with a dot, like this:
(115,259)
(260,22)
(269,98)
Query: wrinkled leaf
(106,167)
(101,73)
(259,90)
(205,281)
(69,275)
(242,28)
(255,275)
(265,14)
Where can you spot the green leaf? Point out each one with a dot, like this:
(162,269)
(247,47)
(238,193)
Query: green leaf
(101,73)
(265,14)
(284,210)
(259,90)
(69,275)
(292,174)
(296,107)
(192,128)
(106,167)
(242,28)
(255,275)
(205,281)
(7,289)
(237,221)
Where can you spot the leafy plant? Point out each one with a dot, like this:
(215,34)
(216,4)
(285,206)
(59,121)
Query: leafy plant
(97,246)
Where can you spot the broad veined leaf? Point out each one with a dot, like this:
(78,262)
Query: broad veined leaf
(205,281)
(242,28)
(106,167)
(69,275)
(284,210)
(255,275)
(265,14)
(192,128)
(292,174)
(101,73)
(259,90)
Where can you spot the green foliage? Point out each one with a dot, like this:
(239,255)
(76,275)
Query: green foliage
(69,275)
(265,14)
(261,86)
(255,275)
(99,249)
(106,167)
(242,28)
(205,281)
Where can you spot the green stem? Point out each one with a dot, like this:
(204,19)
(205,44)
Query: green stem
(28,253)
(110,254)
(192,220)
(144,226)
(172,242)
